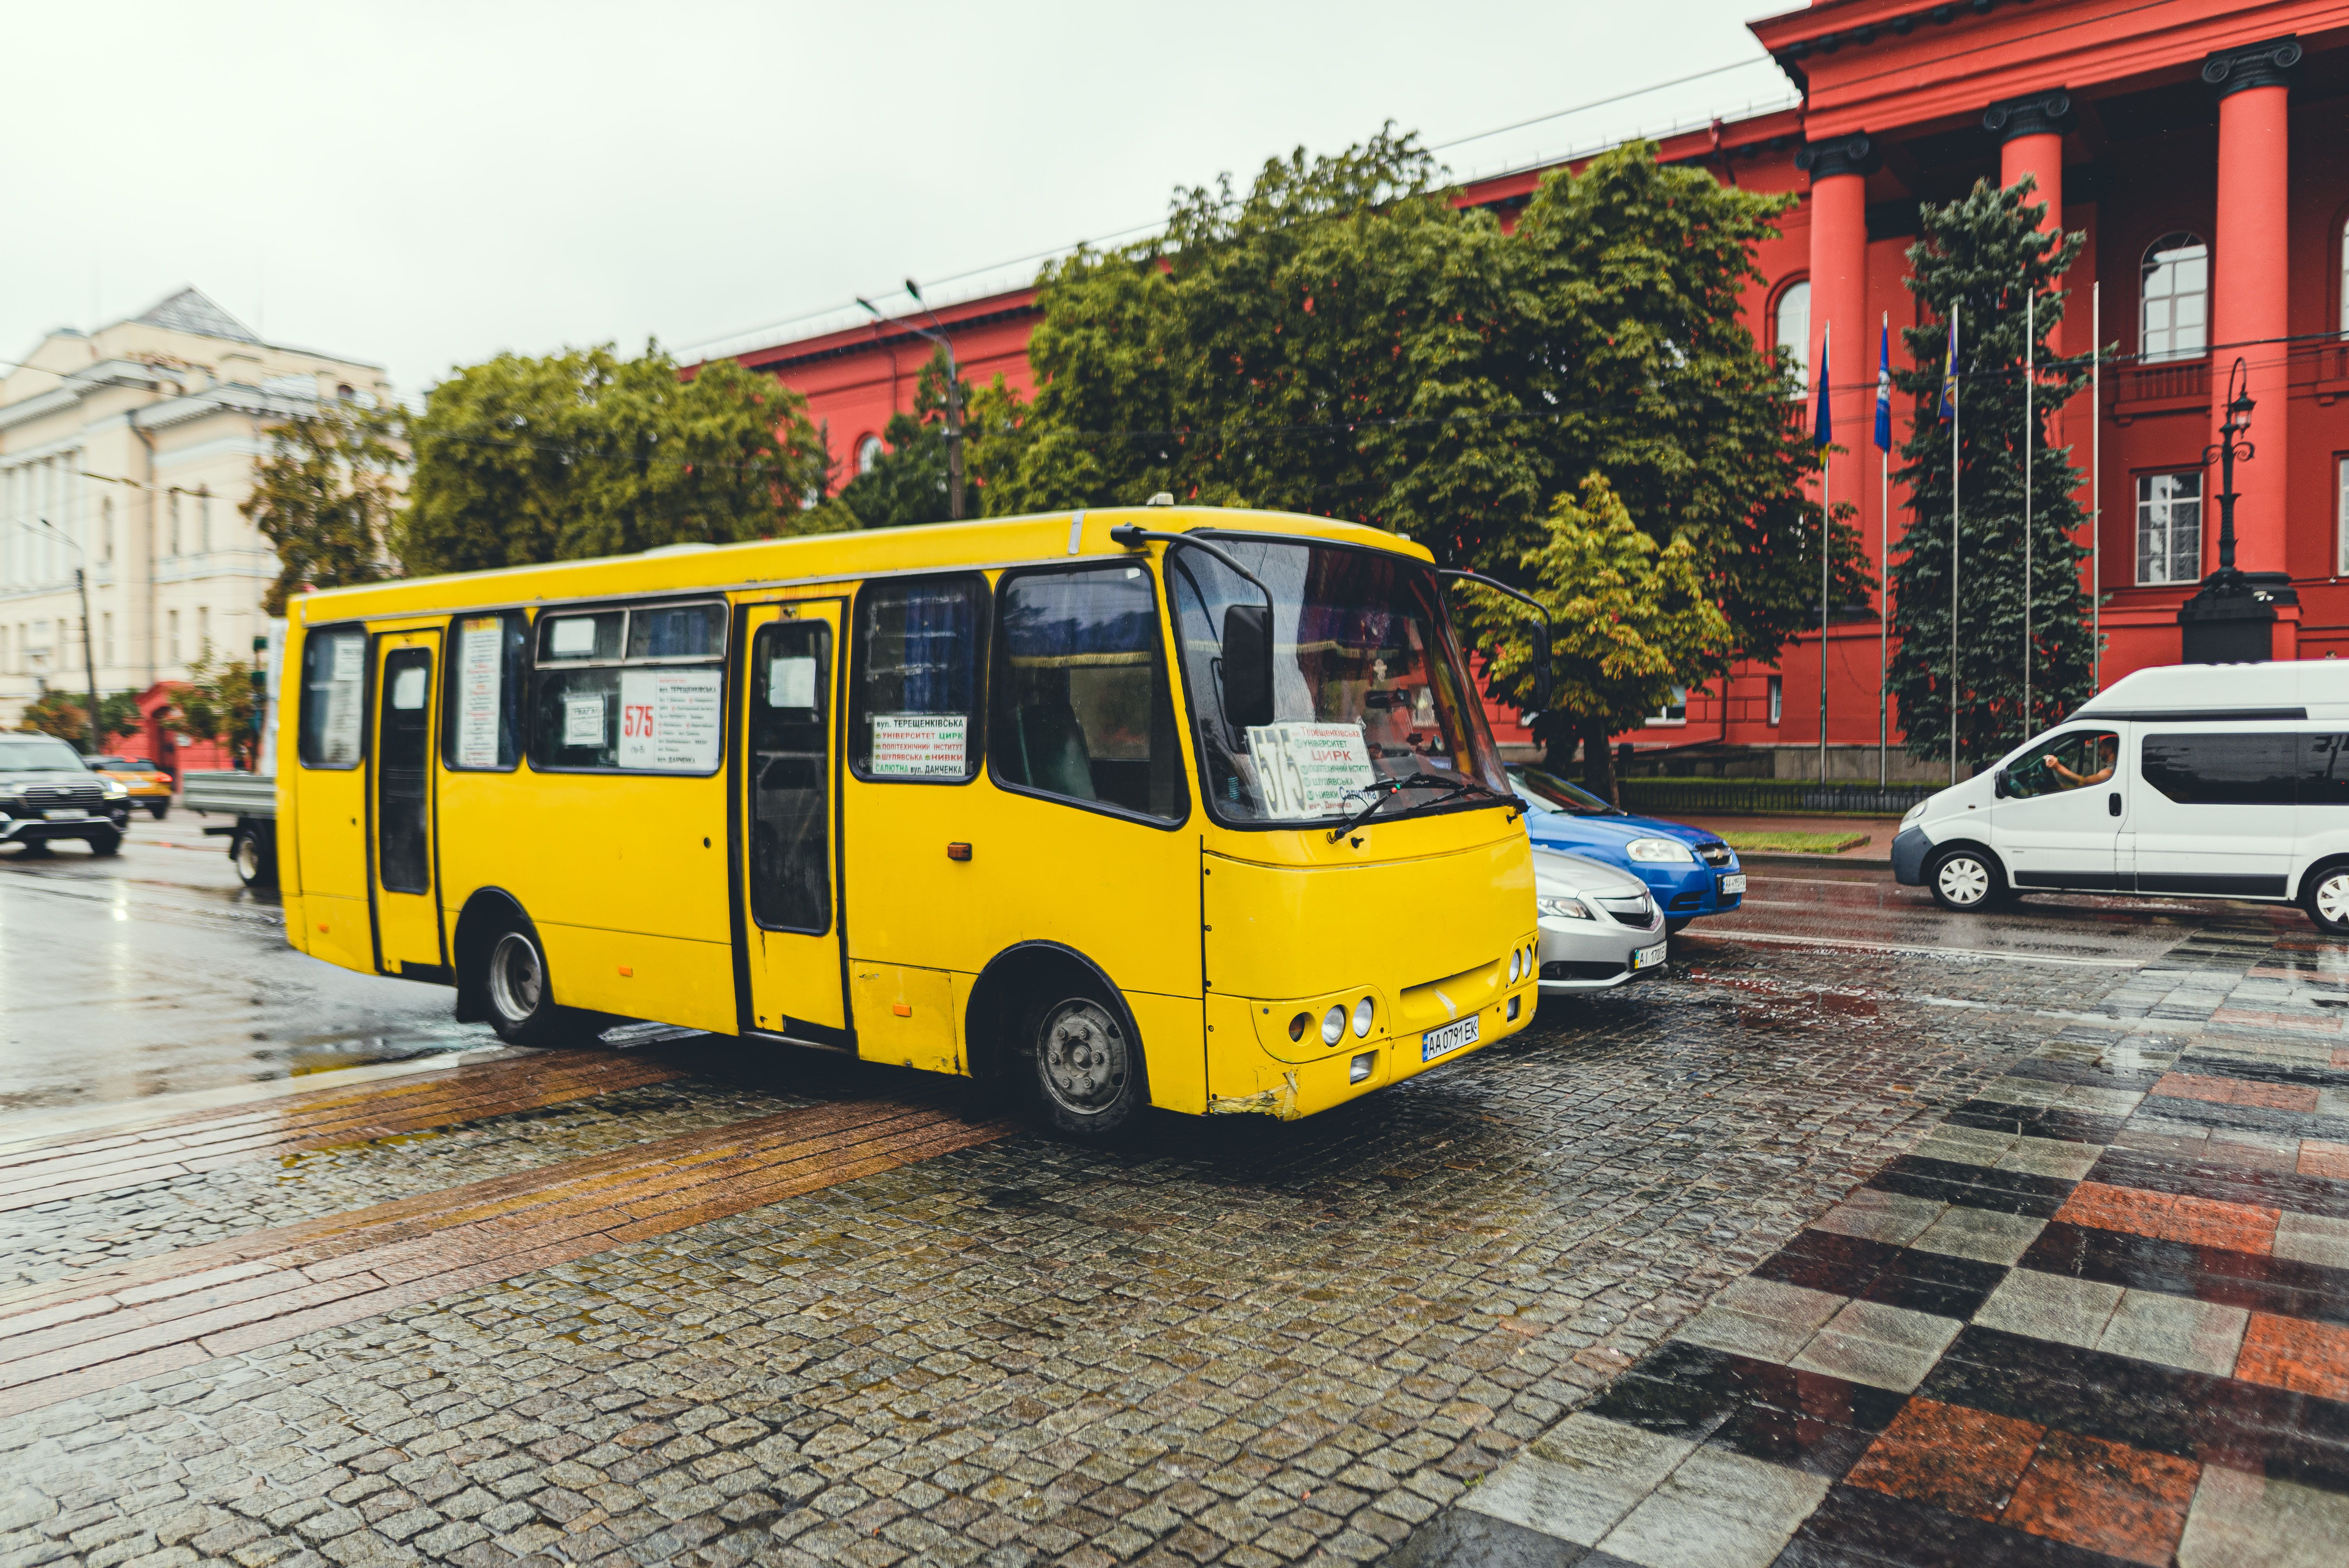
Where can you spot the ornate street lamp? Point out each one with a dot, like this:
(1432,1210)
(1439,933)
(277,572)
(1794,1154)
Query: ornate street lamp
(2230,619)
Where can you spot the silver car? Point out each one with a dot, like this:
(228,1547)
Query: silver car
(1599,927)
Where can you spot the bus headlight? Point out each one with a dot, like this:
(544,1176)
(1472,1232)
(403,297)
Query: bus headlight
(1364,1010)
(1662,850)
(1517,963)
(1333,1026)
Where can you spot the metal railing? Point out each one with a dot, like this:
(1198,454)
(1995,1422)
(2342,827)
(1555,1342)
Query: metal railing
(1766,797)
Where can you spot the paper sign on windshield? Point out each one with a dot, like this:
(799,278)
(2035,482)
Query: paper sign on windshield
(920,744)
(478,674)
(1307,769)
(574,637)
(668,720)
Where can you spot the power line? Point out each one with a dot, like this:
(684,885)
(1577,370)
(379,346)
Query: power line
(1137,230)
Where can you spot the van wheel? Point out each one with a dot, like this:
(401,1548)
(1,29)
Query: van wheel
(1085,1071)
(522,1000)
(1965,880)
(2327,900)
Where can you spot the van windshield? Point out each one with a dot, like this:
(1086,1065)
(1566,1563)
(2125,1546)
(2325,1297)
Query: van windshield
(1370,692)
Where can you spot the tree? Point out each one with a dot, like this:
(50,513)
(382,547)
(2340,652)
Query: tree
(119,717)
(216,703)
(1984,255)
(59,714)
(521,460)
(324,498)
(1628,616)
(1342,340)
(907,484)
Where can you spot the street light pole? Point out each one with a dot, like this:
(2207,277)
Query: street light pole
(88,659)
(954,390)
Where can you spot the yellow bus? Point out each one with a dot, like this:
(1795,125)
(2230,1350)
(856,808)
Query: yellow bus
(1188,808)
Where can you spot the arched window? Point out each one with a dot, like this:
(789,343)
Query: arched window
(2174,298)
(1793,329)
(868,453)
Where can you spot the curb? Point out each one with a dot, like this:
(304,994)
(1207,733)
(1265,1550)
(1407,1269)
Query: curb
(1792,858)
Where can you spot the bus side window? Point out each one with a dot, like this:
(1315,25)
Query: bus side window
(334,695)
(1081,706)
(919,649)
(482,690)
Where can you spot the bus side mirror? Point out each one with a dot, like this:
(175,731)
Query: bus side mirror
(1247,666)
(1541,674)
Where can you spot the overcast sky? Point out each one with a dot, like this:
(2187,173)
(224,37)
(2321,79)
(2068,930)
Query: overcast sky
(422,185)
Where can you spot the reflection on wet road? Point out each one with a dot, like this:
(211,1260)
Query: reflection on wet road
(154,972)
(1865,910)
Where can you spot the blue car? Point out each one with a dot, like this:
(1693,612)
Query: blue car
(1690,871)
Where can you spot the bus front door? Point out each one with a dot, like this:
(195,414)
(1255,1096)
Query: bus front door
(400,816)
(789,815)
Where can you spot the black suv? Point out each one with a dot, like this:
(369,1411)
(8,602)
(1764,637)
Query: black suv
(47,791)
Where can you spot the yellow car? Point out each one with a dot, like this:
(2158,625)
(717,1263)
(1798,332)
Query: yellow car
(149,785)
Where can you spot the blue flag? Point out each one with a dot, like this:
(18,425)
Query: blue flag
(1949,373)
(1884,390)
(1823,422)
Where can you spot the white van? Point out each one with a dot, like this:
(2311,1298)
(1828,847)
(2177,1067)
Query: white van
(2201,780)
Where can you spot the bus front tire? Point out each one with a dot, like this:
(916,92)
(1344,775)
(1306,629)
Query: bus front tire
(1966,880)
(521,1001)
(1084,1066)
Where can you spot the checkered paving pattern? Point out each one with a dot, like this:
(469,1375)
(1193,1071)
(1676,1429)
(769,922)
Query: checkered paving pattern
(2100,1316)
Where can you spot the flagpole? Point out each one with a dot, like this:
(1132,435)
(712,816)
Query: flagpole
(1827,514)
(1954,415)
(1884,588)
(2097,485)
(2029,377)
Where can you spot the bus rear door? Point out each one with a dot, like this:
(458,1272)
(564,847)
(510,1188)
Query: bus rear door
(789,815)
(407,911)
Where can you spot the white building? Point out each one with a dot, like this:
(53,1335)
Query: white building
(128,449)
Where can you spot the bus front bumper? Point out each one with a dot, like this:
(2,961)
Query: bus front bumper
(1244,1079)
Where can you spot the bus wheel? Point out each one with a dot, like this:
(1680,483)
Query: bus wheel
(521,1002)
(1085,1068)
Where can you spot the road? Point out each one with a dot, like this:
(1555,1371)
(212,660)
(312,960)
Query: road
(1901,1237)
(154,972)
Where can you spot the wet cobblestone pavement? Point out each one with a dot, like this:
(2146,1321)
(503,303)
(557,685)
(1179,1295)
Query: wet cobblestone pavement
(1669,1249)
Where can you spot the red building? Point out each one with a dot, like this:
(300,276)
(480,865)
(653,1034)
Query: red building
(2200,145)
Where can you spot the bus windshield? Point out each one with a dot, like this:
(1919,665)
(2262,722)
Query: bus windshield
(1372,704)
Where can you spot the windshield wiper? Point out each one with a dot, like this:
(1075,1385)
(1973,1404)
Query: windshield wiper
(1453,789)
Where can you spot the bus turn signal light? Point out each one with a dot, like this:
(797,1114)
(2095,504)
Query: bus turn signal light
(957,852)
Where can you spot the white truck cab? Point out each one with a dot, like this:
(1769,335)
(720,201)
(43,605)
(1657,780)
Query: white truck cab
(2199,780)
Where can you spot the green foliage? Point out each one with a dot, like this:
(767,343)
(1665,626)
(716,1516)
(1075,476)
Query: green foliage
(59,714)
(1341,340)
(578,454)
(908,484)
(216,703)
(119,716)
(1983,255)
(1628,616)
(324,499)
